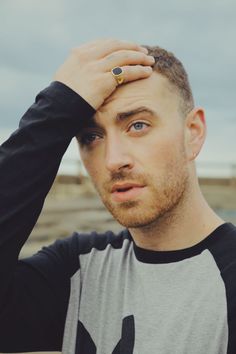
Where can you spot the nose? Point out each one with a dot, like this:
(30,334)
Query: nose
(118,155)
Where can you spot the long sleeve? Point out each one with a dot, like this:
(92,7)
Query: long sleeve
(29,161)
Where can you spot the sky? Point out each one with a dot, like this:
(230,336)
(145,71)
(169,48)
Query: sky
(37,35)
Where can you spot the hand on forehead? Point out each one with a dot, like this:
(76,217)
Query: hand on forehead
(96,69)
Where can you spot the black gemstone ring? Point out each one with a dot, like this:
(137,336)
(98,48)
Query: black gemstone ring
(118,74)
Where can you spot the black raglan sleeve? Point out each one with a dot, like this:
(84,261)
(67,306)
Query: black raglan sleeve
(33,302)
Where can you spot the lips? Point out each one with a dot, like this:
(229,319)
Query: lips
(123,187)
(124,192)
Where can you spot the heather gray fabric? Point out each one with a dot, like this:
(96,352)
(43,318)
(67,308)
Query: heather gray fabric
(177,308)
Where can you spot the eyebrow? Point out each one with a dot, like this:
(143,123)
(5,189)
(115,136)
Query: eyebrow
(125,115)
(122,116)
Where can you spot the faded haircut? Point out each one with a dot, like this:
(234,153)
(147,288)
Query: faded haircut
(169,66)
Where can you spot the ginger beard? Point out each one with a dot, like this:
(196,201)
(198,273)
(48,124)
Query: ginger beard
(163,196)
(156,158)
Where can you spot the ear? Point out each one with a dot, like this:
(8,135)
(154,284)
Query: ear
(195,132)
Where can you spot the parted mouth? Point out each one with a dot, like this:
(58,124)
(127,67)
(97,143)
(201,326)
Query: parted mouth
(123,187)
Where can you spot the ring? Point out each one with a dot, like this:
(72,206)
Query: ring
(117,72)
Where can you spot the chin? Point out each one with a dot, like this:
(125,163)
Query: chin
(145,213)
(133,215)
(161,202)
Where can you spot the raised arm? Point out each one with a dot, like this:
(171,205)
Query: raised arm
(30,158)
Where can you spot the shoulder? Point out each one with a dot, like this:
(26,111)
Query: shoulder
(223,249)
(99,241)
(64,254)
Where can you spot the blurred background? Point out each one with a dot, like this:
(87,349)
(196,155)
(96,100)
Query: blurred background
(35,38)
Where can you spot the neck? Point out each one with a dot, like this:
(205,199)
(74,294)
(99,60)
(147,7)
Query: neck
(187,224)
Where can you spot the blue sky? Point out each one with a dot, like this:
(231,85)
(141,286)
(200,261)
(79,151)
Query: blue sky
(36,36)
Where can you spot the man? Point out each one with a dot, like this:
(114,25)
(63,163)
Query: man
(166,284)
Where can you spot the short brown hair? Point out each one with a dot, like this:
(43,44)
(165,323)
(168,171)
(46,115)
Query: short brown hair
(169,66)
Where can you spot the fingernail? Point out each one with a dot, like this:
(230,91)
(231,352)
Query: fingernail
(151,58)
(144,50)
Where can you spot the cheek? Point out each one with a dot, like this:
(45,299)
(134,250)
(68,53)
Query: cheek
(163,151)
(92,165)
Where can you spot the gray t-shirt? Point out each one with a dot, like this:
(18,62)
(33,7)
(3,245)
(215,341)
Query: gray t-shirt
(128,300)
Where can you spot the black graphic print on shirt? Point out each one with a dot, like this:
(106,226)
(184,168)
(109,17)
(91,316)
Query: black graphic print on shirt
(85,344)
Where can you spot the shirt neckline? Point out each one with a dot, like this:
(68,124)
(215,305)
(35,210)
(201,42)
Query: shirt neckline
(149,256)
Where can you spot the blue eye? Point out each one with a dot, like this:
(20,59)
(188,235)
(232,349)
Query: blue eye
(139,126)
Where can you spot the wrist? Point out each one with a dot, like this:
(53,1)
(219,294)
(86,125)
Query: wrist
(69,104)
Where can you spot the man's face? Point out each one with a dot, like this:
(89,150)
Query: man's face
(135,152)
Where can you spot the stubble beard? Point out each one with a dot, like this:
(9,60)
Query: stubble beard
(161,200)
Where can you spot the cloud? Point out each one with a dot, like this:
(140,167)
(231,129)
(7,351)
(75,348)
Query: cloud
(35,37)
(18,93)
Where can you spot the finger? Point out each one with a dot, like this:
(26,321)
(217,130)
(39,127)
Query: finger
(126,57)
(94,43)
(103,48)
(135,72)
(100,48)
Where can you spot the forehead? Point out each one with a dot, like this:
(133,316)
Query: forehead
(154,92)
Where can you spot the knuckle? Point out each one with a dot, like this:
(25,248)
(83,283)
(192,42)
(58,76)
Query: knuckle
(79,53)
